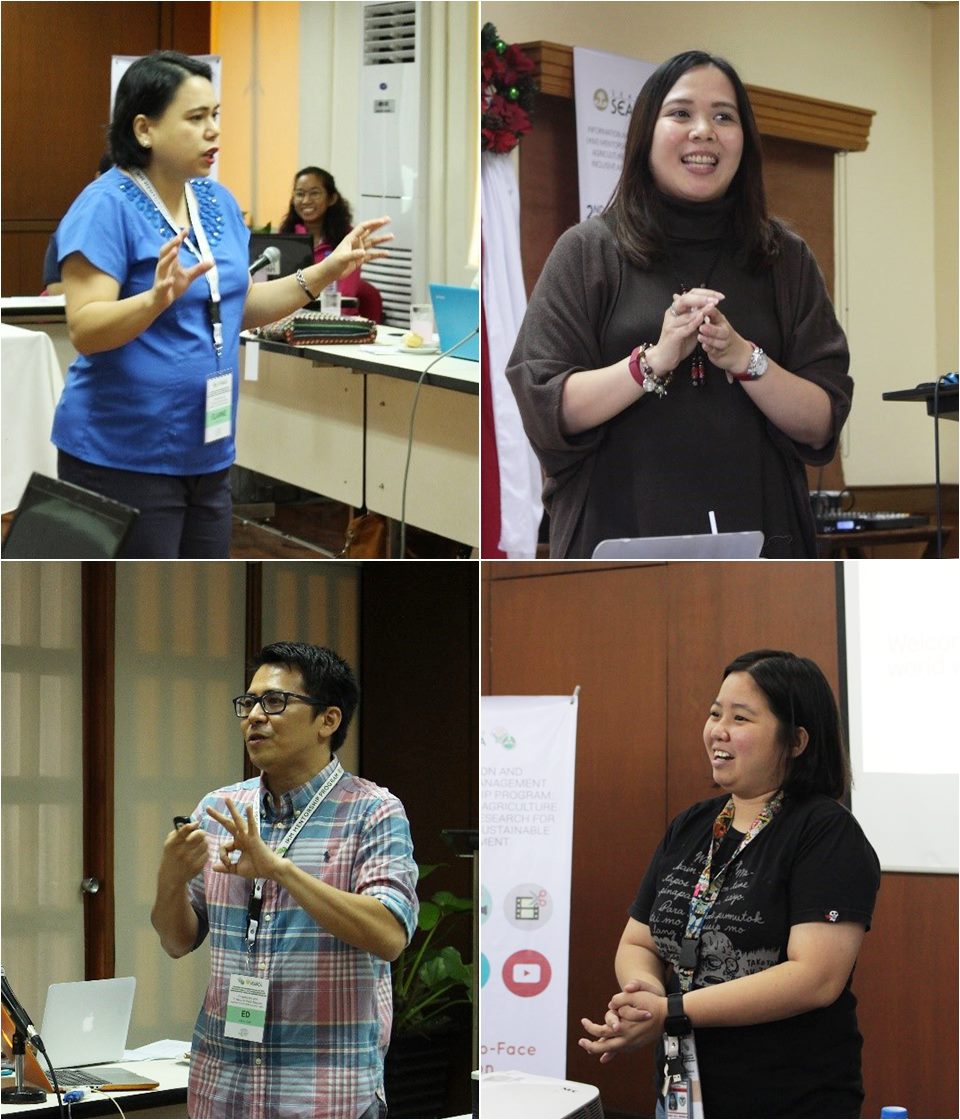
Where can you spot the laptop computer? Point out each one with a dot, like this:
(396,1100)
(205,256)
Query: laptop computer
(457,313)
(59,521)
(85,1026)
(700,546)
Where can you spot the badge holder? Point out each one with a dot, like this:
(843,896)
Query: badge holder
(681,1083)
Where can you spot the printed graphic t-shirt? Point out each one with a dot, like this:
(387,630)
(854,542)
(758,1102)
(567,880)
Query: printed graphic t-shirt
(811,864)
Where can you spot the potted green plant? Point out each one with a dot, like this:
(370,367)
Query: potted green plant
(430,983)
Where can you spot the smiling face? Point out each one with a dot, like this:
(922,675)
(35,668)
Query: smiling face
(311,200)
(698,139)
(744,739)
(183,140)
(294,746)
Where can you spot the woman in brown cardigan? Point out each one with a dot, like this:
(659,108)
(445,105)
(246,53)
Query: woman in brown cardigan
(680,354)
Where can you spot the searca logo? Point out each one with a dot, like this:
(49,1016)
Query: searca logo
(499,737)
(613,101)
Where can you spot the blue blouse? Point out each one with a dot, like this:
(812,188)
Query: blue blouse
(141,406)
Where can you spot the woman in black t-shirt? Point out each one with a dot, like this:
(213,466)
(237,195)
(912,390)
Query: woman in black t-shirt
(754,908)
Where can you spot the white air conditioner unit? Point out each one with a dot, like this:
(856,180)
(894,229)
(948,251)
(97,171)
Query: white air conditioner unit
(504,1096)
(394,141)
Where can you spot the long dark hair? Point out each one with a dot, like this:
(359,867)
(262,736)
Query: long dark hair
(800,696)
(338,219)
(635,205)
(147,87)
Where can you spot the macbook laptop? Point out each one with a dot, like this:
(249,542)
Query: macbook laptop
(457,313)
(701,546)
(59,521)
(85,1025)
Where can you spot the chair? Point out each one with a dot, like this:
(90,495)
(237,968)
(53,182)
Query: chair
(370,302)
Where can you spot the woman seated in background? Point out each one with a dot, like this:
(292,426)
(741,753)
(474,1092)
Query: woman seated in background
(317,208)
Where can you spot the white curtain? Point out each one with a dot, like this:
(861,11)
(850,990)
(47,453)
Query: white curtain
(504,303)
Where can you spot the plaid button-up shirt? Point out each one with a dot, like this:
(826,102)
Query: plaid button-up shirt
(329,1008)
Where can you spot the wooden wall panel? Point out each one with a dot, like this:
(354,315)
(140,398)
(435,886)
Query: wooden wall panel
(56,101)
(606,631)
(648,643)
(419,725)
(718,611)
(906,982)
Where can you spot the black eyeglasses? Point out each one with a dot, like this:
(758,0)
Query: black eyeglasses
(273,702)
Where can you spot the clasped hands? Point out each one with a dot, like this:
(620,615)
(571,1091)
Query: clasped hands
(634,1018)
(693,317)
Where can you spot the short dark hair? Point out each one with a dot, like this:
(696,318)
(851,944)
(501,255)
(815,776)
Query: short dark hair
(338,219)
(635,206)
(147,87)
(325,675)
(800,696)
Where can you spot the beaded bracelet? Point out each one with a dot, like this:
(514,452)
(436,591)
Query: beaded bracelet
(303,284)
(642,372)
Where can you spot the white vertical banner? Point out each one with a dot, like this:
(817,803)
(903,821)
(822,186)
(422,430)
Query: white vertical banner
(605,88)
(527,760)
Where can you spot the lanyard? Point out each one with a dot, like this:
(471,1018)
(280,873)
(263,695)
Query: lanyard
(255,905)
(707,888)
(201,250)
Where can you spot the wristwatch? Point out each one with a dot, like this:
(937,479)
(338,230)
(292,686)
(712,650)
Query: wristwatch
(756,367)
(677,1025)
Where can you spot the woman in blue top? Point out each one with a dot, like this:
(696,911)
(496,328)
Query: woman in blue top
(154,261)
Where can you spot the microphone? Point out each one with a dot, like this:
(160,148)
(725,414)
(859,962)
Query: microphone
(270,256)
(20,1018)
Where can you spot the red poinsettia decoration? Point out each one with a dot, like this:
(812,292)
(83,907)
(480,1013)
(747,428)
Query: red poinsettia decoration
(506,93)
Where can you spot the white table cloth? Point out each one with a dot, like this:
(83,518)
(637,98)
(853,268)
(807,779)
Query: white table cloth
(32,381)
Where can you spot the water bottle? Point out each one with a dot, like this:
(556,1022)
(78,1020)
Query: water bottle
(330,299)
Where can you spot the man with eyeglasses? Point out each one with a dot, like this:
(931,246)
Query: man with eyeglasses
(305,881)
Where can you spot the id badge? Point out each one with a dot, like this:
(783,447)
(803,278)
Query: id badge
(218,413)
(246,1008)
(678,1101)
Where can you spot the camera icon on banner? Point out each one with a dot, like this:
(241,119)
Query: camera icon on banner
(526,973)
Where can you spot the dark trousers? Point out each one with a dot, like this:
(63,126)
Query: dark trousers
(186,517)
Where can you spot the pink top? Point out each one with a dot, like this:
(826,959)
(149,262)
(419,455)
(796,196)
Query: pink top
(348,285)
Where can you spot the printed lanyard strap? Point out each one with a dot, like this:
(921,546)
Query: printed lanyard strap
(255,905)
(201,250)
(709,886)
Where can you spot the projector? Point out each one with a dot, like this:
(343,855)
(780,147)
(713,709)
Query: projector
(504,1096)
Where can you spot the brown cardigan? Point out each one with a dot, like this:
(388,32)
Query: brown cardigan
(562,332)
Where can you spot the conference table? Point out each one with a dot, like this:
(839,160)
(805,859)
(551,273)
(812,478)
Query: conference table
(169,1099)
(336,420)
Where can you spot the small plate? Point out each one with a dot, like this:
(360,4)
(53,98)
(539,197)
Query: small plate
(404,349)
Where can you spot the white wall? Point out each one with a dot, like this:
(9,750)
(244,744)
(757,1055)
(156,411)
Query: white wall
(898,59)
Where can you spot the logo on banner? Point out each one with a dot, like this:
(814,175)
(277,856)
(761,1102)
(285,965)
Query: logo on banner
(526,973)
(528,906)
(501,737)
(600,99)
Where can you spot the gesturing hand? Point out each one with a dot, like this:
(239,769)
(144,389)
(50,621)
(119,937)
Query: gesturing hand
(360,246)
(184,854)
(171,279)
(726,349)
(257,860)
(681,322)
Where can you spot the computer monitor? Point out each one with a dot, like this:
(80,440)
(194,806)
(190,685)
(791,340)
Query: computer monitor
(296,249)
(59,521)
